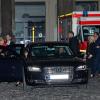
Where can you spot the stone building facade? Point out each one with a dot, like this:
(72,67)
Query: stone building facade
(53,8)
(7,18)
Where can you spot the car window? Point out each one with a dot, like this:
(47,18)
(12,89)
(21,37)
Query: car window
(2,52)
(47,51)
(39,51)
(6,52)
(16,48)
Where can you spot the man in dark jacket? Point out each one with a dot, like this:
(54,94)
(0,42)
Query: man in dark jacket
(73,43)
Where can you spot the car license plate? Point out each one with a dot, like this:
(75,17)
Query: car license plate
(65,76)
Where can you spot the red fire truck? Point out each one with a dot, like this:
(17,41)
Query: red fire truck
(81,23)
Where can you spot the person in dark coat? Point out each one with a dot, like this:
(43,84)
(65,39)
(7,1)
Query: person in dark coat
(97,53)
(90,54)
(73,43)
(9,40)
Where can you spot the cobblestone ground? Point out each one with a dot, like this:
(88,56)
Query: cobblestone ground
(8,91)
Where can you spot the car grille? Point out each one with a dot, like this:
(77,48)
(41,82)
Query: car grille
(58,70)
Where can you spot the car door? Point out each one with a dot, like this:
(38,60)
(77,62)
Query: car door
(10,65)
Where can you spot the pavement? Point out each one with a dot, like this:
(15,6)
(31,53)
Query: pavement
(9,91)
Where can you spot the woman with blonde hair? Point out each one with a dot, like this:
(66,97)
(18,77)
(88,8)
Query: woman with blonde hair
(2,41)
(90,53)
(91,39)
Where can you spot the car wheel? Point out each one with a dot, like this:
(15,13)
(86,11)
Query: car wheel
(83,86)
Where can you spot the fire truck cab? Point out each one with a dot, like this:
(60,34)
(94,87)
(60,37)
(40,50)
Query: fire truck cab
(82,24)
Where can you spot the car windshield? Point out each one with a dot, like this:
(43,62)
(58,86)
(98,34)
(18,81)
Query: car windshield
(51,51)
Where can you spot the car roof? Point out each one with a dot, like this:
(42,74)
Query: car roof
(16,45)
(48,43)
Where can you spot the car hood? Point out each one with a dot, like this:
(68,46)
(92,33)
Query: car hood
(57,61)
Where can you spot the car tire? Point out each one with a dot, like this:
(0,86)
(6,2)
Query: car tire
(83,86)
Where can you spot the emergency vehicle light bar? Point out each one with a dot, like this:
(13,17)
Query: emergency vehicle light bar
(80,14)
(65,15)
(69,14)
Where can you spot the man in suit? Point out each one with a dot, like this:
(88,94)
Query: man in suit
(73,42)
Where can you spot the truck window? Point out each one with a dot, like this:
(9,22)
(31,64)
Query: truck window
(89,30)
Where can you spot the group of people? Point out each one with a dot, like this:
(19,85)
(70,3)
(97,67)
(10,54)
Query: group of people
(92,56)
(6,40)
(92,53)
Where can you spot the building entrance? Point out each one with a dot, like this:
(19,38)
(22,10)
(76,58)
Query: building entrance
(29,22)
(36,31)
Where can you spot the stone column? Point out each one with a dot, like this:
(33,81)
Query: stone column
(13,15)
(7,7)
(51,20)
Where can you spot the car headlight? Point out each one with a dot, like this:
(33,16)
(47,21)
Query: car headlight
(34,69)
(81,67)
